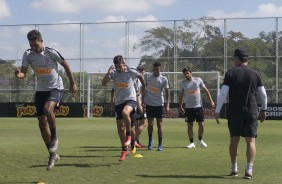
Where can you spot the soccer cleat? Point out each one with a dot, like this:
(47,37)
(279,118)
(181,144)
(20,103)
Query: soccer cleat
(52,159)
(127,140)
(202,143)
(137,145)
(133,151)
(160,147)
(150,144)
(123,155)
(248,175)
(53,145)
(191,145)
(234,173)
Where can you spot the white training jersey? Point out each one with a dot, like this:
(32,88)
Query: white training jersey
(124,85)
(192,92)
(155,85)
(45,67)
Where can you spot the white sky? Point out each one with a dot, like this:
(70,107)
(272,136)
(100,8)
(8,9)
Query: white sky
(14,12)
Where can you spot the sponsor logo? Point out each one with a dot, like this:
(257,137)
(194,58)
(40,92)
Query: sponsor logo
(121,84)
(193,92)
(62,111)
(43,71)
(153,89)
(26,111)
(96,111)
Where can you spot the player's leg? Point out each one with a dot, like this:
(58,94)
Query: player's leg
(121,130)
(250,132)
(150,118)
(127,113)
(250,153)
(49,106)
(189,119)
(233,152)
(160,133)
(199,116)
(141,125)
(40,98)
(159,114)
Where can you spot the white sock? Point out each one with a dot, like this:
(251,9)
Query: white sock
(234,167)
(249,168)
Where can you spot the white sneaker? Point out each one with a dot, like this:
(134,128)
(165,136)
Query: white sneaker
(203,144)
(191,145)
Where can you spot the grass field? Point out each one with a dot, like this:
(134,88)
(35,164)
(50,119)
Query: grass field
(90,149)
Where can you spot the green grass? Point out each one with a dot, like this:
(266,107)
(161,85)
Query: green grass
(90,149)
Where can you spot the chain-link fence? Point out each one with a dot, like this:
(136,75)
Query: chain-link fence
(204,44)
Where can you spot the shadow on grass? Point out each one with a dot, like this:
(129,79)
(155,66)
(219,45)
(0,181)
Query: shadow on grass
(101,148)
(76,165)
(183,176)
(84,156)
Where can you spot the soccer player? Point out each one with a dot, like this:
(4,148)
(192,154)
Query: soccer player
(190,89)
(241,83)
(49,90)
(141,114)
(156,83)
(125,99)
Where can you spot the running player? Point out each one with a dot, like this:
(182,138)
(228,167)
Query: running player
(125,99)
(49,90)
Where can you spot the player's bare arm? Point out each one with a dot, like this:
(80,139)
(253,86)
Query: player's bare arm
(167,95)
(180,102)
(72,87)
(21,72)
(209,96)
(142,80)
(106,78)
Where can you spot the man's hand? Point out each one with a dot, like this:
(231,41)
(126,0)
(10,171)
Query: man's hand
(262,116)
(73,89)
(19,74)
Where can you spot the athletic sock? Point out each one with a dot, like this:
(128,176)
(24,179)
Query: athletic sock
(53,133)
(160,140)
(249,168)
(200,138)
(191,140)
(150,137)
(128,133)
(234,167)
(132,144)
(124,148)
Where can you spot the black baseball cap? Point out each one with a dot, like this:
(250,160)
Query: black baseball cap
(240,52)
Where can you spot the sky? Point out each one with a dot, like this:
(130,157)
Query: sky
(22,12)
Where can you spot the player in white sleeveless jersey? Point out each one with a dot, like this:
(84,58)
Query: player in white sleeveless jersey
(49,89)
(125,99)
(190,89)
(154,101)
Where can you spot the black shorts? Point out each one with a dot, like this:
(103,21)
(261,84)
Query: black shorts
(192,114)
(140,116)
(119,109)
(155,111)
(243,125)
(41,97)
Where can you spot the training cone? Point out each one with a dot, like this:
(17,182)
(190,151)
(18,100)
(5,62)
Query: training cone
(138,155)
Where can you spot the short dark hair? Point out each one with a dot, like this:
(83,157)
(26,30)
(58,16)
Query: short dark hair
(118,59)
(157,64)
(242,54)
(186,69)
(34,35)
